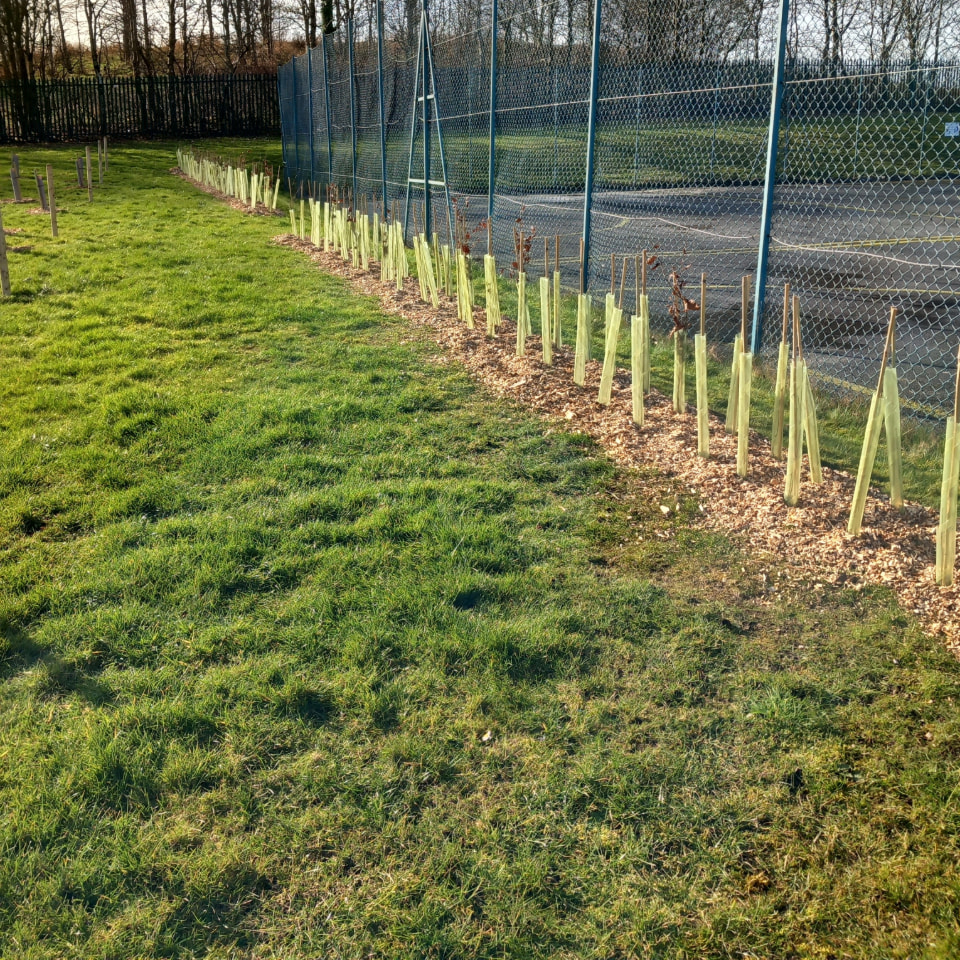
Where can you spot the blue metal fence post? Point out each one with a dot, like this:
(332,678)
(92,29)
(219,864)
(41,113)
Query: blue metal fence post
(353,109)
(591,139)
(383,129)
(326,108)
(427,198)
(770,180)
(428,62)
(310,111)
(491,179)
(296,126)
(421,61)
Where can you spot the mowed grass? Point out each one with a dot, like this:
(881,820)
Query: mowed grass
(311,649)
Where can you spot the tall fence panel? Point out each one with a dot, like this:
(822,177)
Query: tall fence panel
(87,108)
(862,203)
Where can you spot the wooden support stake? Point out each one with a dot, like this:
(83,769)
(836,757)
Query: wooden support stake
(41,191)
(53,201)
(582,290)
(89,177)
(4,267)
(636,286)
(700,367)
(891,419)
(15,179)
(703,304)
(643,274)
(623,282)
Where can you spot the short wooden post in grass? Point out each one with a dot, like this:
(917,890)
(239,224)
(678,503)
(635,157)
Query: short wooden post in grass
(89,176)
(739,345)
(700,363)
(106,156)
(871,440)
(15,179)
(41,191)
(780,390)
(4,266)
(53,201)
(79,164)
(582,347)
(293,222)
(947,529)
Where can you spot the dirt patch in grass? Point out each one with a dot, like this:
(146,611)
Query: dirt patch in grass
(808,543)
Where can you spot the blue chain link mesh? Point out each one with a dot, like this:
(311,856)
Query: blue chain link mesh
(864,201)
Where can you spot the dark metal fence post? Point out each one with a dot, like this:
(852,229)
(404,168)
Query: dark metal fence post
(427,198)
(296,123)
(428,63)
(383,129)
(310,108)
(353,110)
(493,117)
(326,108)
(770,180)
(591,139)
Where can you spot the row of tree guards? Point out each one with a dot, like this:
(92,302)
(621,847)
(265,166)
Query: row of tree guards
(365,237)
(47,197)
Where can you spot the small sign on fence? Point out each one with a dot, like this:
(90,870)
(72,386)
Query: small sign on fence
(951,129)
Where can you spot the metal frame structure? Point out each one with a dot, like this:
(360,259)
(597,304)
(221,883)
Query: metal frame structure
(424,91)
(591,139)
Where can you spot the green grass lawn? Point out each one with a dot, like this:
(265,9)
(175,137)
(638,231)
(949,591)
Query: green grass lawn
(312,649)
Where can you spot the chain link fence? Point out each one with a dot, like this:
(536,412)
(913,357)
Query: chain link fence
(862,198)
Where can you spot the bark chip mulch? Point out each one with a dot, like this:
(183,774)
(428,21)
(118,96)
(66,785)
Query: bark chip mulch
(807,544)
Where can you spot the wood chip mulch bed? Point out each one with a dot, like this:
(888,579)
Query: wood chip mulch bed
(807,544)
